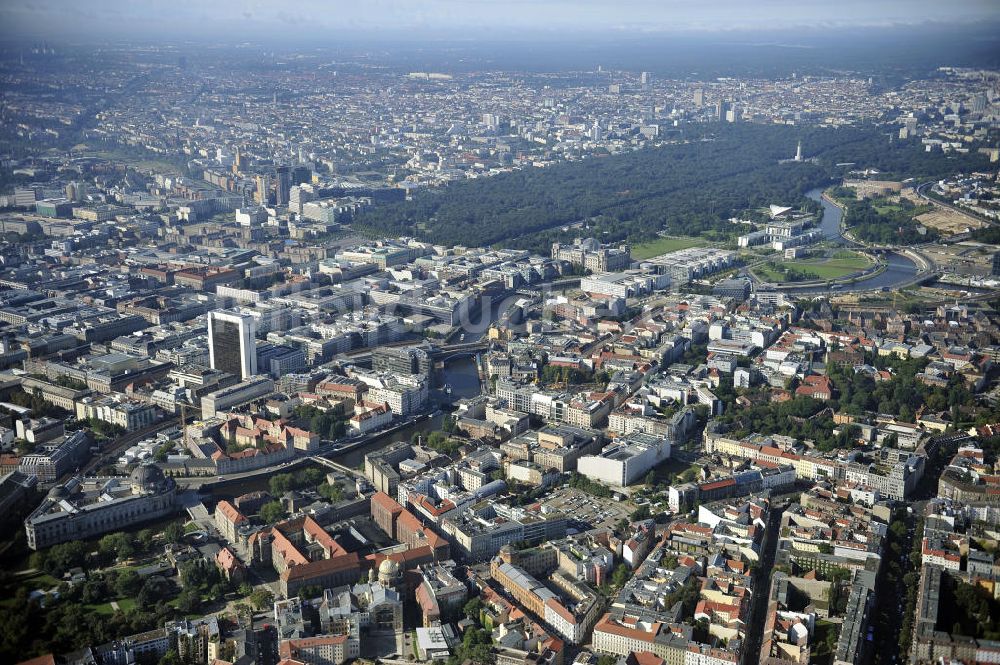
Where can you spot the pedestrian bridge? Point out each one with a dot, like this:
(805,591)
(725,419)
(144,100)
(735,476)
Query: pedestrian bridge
(330,464)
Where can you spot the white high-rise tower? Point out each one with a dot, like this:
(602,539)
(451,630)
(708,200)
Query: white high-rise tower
(232,343)
(798,152)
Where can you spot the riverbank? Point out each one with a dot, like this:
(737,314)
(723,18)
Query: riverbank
(897,268)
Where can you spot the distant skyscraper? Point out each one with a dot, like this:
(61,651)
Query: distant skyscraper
(645,78)
(232,344)
(721,108)
(699,97)
(301,175)
(283,185)
(798,152)
(263,187)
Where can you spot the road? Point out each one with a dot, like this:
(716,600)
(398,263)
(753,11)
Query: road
(761,588)
(891,595)
(891,604)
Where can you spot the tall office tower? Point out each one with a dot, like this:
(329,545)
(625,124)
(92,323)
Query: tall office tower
(232,344)
(283,185)
(979,103)
(721,108)
(798,152)
(645,78)
(299,196)
(699,97)
(301,175)
(263,185)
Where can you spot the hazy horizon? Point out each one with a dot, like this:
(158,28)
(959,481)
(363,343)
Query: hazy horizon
(309,20)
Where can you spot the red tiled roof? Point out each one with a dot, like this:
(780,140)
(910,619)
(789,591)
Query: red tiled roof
(230,512)
(227,560)
(606,625)
(644,658)
(287,550)
(323,567)
(386,502)
(319,534)
(718,484)
(47,659)
(288,648)
(558,608)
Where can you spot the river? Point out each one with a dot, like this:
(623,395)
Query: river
(832,215)
(460,373)
(899,269)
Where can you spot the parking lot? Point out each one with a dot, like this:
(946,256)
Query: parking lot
(586,511)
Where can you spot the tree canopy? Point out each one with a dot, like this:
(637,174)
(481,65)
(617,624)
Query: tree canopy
(690,188)
(886,224)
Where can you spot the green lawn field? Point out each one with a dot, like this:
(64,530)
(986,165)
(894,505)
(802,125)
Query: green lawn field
(659,246)
(839,265)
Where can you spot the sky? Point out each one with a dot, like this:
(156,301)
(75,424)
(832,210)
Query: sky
(231,20)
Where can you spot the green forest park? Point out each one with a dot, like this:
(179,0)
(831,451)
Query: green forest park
(690,187)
